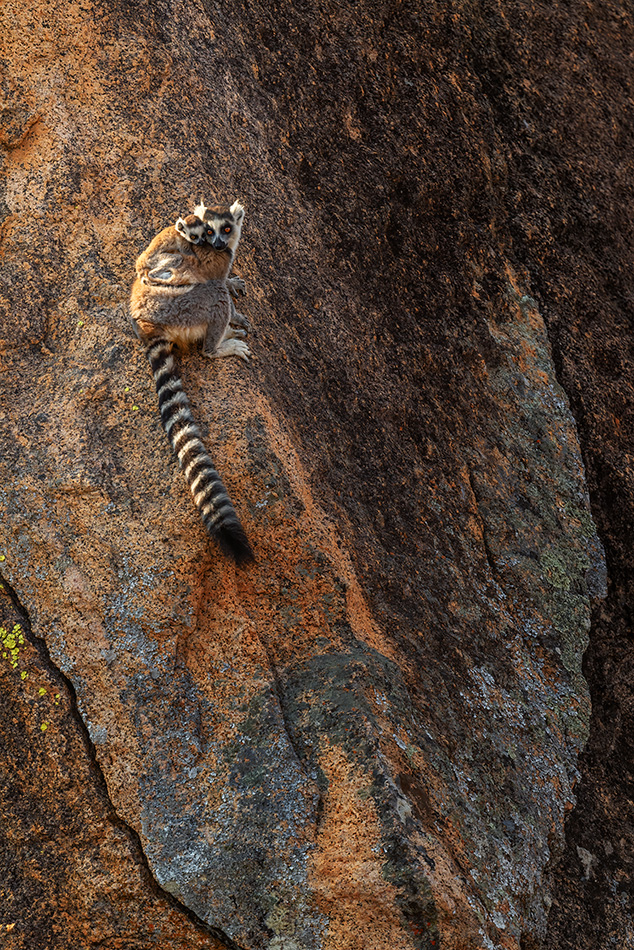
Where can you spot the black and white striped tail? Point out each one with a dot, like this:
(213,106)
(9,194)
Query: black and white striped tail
(210,495)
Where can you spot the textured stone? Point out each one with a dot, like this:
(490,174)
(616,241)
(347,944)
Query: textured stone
(73,873)
(371,737)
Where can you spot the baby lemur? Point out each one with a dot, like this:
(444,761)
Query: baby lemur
(182,295)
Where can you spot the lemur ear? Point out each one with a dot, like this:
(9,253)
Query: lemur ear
(237,211)
(199,211)
(180,226)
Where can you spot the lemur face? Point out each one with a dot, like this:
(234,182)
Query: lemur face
(223,225)
(192,229)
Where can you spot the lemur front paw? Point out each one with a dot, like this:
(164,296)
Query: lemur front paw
(239,320)
(236,286)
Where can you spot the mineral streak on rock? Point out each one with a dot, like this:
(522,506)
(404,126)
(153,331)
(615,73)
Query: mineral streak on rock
(370,739)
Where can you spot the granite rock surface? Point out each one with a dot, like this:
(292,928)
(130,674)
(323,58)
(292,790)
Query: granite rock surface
(383,734)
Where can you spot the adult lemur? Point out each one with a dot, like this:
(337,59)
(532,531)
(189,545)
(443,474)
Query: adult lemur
(182,295)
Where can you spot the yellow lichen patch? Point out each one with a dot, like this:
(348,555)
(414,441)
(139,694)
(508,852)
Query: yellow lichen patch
(11,642)
(347,869)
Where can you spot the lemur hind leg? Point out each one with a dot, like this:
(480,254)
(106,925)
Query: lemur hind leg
(221,337)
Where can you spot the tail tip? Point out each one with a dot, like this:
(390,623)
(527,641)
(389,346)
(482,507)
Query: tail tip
(235,544)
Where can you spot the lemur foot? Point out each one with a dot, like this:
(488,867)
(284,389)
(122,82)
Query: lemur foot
(232,347)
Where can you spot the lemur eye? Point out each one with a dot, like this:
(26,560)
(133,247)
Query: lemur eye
(227,229)
(209,231)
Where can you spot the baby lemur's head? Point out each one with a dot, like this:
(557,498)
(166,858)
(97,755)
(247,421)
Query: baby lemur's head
(223,225)
(192,228)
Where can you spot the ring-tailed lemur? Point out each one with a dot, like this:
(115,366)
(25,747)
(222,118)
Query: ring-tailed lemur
(182,295)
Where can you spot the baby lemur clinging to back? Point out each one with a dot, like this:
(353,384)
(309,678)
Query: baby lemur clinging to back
(182,295)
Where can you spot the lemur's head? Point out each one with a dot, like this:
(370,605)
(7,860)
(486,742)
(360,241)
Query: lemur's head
(223,225)
(192,228)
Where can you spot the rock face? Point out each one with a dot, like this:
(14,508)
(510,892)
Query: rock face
(373,738)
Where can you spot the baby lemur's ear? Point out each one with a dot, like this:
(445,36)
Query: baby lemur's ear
(180,226)
(237,211)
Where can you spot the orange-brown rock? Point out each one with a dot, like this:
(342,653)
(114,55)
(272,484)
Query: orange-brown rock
(372,738)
